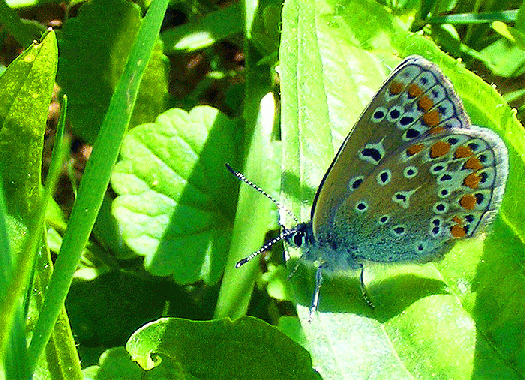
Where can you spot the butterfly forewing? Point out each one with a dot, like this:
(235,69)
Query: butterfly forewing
(415,100)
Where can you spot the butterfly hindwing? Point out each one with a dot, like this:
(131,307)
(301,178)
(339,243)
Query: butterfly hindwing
(424,196)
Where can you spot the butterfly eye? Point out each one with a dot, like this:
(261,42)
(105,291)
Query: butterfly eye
(299,238)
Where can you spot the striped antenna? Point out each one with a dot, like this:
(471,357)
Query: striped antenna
(286,233)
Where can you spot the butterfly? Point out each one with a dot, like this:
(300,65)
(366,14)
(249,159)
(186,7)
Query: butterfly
(412,177)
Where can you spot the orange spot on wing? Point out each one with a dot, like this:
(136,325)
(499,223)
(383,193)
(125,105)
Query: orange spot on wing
(431,118)
(414,90)
(463,151)
(468,201)
(439,149)
(395,88)
(415,149)
(436,130)
(457,220)
(473,163)
(425,103)
(458,231)
(472,180)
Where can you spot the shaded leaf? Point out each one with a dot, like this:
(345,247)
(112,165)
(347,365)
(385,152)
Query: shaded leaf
(176,197)
(114,364)
(244,349)
(91,64)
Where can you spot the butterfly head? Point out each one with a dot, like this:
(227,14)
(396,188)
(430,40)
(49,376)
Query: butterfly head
(300,235)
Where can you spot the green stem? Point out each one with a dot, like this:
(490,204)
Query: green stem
(96,178)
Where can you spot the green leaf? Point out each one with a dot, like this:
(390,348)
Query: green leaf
(109,308)
(504,58)
(96,178)
(247,348)
(291,326)
(26,93)
(176,198)
(254,214)
(23,32)
(215,26)
(275,279)
(114,364)
(435,320)
(107,232)
(91,64)
(520,19)
(26,89)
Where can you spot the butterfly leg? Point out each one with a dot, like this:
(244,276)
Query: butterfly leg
(293,271)
(315,297)
(363,289)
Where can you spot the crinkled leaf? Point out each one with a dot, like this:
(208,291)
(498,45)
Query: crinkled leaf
(448,320)
(114,364)
(176,198)
(247,348)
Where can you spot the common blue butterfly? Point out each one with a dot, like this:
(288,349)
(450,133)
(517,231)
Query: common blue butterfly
(411,178)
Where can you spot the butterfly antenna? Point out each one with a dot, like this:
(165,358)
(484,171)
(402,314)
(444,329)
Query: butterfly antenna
(265,247)
(242,178)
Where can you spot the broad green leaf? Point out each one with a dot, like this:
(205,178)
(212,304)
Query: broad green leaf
(26,88)
(504,58)
(109,308)
(176,197)
(92,62)
(435,320)
(291,326)
(114,364)
(221,349)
